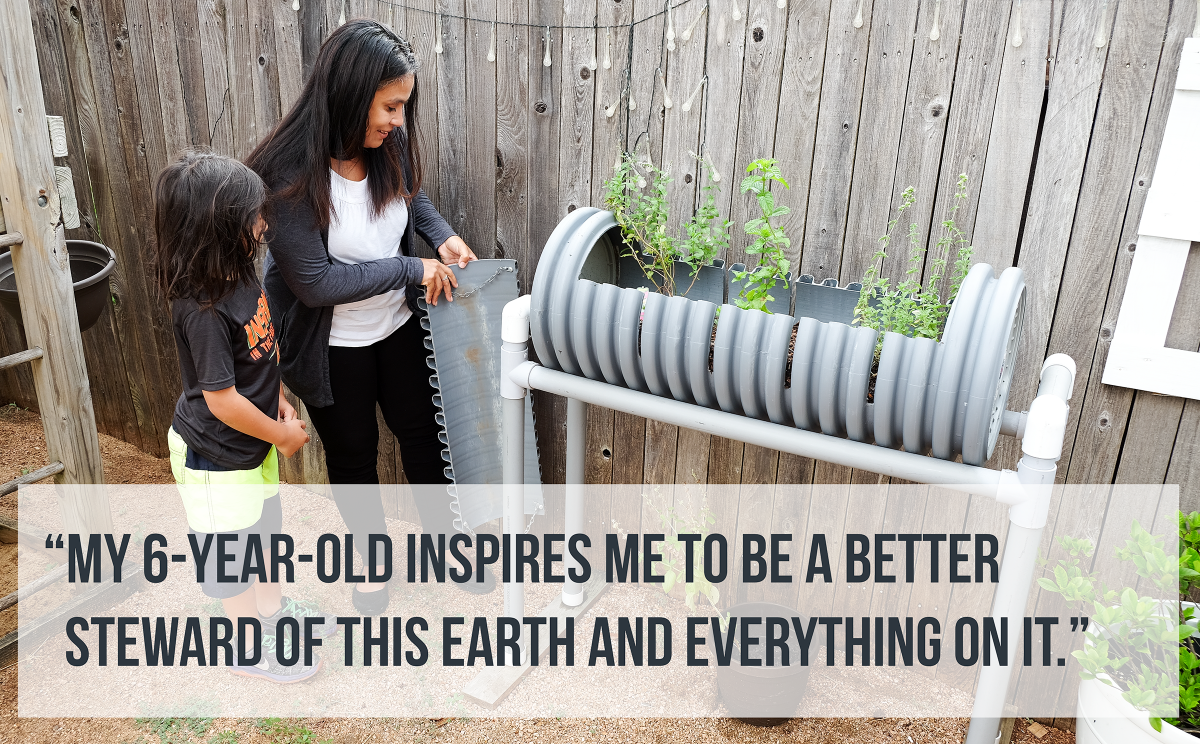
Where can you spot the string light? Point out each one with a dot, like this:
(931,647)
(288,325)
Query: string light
(492,45)
(546,58)
(437,34)
(935,33)
(611,110)
(737,12)
(687,105)
(632,103)
(670,29)
(858,19)
(781,4)
(1016,26)
(342,15)
(608,49)
(687,32)
(1102,29)
(591,65)
(295,4)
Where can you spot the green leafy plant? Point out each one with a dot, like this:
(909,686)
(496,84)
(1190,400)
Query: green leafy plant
(637,196)
(911,308)
(1137,643)
(280,731)
(770,243)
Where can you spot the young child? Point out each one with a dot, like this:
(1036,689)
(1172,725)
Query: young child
(232,417)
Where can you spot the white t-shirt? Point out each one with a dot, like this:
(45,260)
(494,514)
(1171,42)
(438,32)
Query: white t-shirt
(356,235)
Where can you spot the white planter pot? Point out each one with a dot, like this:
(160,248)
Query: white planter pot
(1102,716)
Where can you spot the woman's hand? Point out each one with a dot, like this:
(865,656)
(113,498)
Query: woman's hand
(455,250)
(438,278)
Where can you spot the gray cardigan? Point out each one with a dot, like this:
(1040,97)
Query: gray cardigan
(303,283)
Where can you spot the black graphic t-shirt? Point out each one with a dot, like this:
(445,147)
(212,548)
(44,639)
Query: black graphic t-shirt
(231,343)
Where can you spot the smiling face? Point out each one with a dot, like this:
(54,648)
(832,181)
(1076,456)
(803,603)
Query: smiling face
(387,110)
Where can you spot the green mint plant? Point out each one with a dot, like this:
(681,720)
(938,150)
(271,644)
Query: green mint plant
(912,308)
(770,243)
(637,196)
(1137,643)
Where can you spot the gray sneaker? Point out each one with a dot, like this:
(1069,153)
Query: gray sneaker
(269,668)
(299,609)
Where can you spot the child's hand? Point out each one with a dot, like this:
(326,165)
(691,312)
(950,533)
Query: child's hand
(286,411)
(294,437)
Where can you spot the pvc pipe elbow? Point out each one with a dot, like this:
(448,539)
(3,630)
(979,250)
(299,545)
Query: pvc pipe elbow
(514,327)
(1065,361)
(1045,428)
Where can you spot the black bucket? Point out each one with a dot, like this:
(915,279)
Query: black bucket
(764,695)
(91,263)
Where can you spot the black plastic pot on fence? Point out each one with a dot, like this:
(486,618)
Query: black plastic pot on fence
(752,690)
(590,316)
(91,263)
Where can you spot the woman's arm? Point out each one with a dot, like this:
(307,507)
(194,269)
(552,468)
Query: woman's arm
(428,222)
(315,280)
(236,411)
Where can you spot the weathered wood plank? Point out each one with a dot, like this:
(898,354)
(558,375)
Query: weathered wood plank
(126,218)
(1184,468)
(478,228)
(1095,241)
(451,103)
(681,129)
(264,68)
(43,274)
(110,391)
(970,118)
(1075,77)
(796,130)
(762,75)
(1096,449)
(836,137)
(724,59)
(930,90)
(288,56)
(423,24)
(889,61)
(1013,136)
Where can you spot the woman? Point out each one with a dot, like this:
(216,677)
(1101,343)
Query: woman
(344,167)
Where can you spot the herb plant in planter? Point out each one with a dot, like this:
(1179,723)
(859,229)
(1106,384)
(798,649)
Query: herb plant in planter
(1135,643)
(618,297)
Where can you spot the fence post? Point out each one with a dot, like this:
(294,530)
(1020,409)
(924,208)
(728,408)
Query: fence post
(30,203)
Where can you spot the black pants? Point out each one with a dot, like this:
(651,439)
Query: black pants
(393,373)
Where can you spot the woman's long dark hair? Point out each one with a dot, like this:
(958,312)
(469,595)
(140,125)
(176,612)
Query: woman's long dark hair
(205,210)
(329,120)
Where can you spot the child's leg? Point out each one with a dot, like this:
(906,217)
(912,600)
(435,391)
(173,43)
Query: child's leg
(267,598)
(242,605)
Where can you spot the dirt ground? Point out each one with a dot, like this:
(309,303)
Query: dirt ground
(22,449)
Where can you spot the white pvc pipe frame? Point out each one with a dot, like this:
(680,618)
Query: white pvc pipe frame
(1026,491)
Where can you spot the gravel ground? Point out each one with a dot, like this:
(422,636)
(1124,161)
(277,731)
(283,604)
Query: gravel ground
(22,448)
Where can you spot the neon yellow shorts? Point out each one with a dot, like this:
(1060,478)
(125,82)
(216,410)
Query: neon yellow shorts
(222,500)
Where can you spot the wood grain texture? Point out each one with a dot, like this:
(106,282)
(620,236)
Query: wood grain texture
(1014,131)
(929,100)
(1105,191)
(836,138)
(1075,77)
(762,73)
(889,61)
(1104,409)
(478,226)
(969,121)
(43,274)
(796,127)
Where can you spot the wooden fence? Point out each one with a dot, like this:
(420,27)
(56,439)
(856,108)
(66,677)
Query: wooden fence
(1054,111)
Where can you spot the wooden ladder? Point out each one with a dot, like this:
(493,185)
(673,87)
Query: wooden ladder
(31,228)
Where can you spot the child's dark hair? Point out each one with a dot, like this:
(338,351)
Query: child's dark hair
(205,209)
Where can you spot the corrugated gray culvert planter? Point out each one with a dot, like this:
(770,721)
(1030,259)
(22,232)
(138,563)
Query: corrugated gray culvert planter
(946,398)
